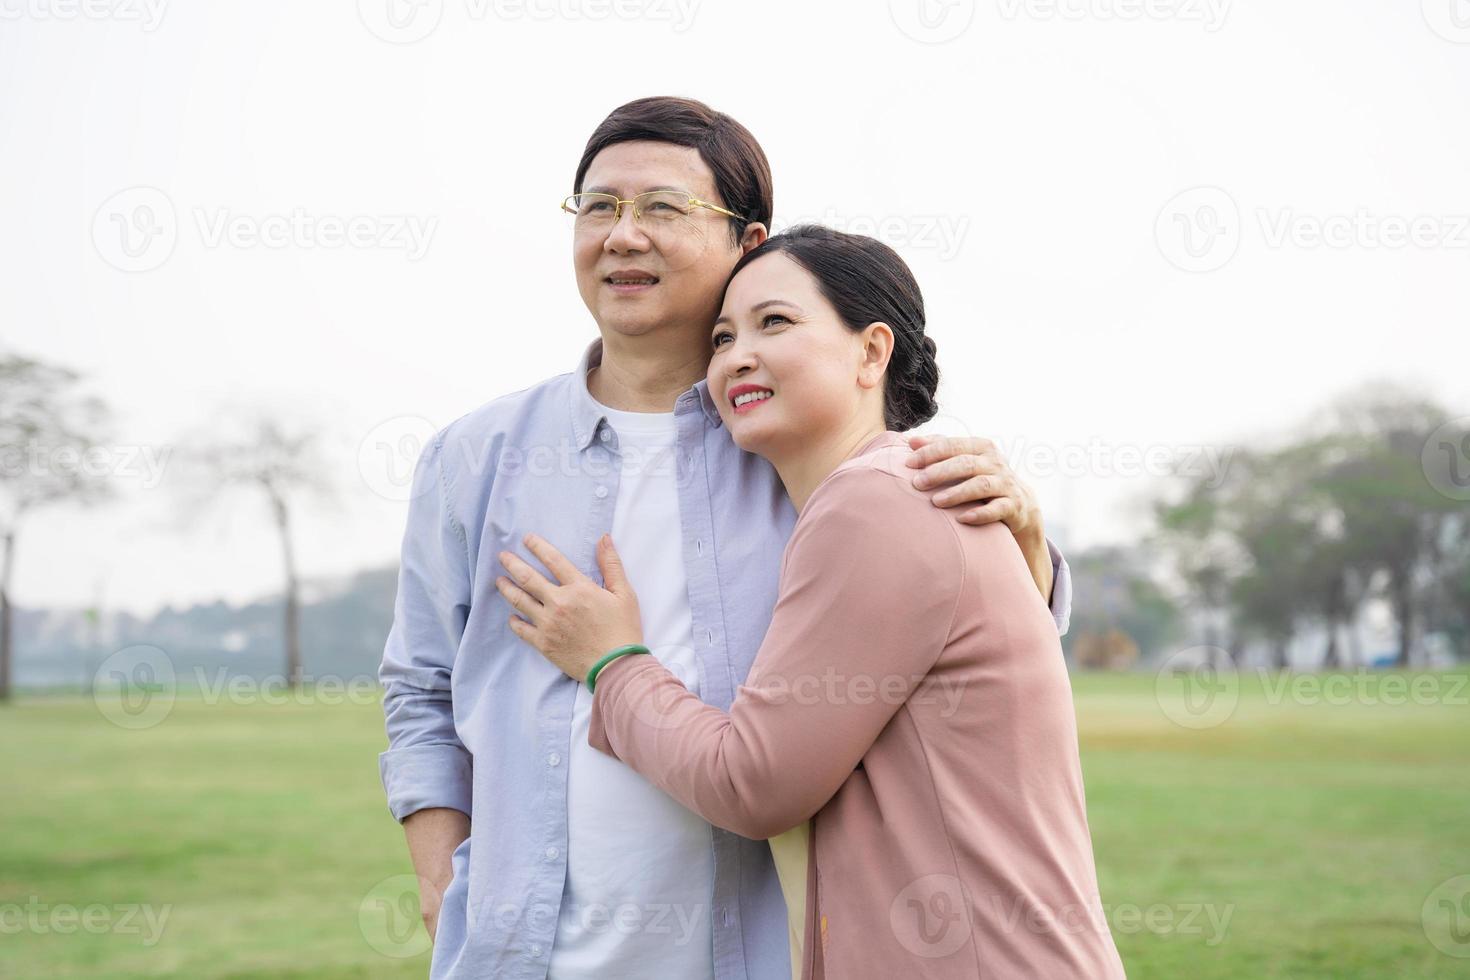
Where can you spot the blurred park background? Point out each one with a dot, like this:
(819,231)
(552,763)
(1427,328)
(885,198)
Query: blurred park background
(1198,269)
(1272,690)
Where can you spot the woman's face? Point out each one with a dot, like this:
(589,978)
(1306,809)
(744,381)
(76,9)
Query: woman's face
(779,339)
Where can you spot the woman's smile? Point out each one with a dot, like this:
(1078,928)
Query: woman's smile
(746,397)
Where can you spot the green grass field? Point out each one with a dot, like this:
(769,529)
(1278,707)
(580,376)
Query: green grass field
(1292,840)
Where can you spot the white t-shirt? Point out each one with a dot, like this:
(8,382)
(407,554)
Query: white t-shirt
(640,867)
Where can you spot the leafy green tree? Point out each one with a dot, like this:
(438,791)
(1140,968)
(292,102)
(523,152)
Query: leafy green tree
(1394,516)
(1307,531)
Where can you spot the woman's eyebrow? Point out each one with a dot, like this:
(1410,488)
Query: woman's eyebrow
(761,306)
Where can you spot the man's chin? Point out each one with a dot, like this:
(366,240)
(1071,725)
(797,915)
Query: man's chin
(631,319)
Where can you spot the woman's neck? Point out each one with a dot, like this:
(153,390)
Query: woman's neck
(804,470)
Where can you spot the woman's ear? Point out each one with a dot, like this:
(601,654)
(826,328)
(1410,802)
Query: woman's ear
(877,349)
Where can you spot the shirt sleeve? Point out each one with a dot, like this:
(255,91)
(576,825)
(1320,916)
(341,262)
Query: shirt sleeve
(426,765)
(868,592)
(1061,589)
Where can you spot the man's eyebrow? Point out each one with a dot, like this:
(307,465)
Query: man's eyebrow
(761,306)
(613,191)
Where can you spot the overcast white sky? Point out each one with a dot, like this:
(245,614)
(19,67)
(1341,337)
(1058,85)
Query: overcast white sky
(1119,211)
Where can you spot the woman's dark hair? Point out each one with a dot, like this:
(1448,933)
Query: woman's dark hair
(866,281)
(742,173)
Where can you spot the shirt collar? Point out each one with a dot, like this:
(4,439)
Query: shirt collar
(707,402)
(588,414)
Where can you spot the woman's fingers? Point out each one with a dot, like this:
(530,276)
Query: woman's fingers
(526,577)
(525,631)
(554,560)
(519,599)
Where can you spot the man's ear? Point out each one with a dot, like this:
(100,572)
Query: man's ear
(755,233)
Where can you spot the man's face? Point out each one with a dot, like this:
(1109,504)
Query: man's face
(640,276)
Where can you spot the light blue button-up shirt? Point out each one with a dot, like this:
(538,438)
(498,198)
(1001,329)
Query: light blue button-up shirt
(480,722)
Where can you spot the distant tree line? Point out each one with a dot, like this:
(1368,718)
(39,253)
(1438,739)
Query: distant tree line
(1370,501)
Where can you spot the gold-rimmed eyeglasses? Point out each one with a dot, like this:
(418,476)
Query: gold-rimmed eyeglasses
(594,209)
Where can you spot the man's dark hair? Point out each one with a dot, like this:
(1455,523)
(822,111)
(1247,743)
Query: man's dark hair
(742,174)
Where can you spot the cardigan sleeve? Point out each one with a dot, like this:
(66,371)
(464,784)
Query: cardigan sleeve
(867,596)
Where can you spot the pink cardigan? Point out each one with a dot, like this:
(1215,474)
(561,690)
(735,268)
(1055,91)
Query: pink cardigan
(910,698)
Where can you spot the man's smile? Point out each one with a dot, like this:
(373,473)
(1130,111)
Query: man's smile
(628,281)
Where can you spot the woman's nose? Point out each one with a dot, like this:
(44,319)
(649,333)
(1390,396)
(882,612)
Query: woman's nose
(739,358)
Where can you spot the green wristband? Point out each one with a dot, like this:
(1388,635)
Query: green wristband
(608,658)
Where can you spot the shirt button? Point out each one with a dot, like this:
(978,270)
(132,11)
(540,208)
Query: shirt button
(601,492)
(535,950)
(551,853)
(725,913)
(710,637)
(606,435)
(554,759)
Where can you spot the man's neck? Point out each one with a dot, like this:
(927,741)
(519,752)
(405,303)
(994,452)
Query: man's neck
(647,373)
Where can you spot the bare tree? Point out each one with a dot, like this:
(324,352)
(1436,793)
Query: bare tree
(48,432)
(280,463)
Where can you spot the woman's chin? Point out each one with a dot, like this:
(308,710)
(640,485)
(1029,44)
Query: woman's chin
(751,438)
(743,440)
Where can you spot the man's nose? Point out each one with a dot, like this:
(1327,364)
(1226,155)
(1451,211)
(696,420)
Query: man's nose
(625,234)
